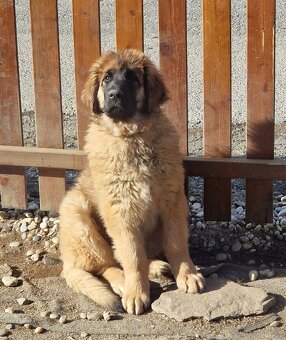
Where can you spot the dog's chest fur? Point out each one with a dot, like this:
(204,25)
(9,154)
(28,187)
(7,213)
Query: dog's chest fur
(134,174)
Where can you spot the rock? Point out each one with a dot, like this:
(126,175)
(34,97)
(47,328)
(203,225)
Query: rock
(236,247)
(30,252)
(54,316)
(33,206)
(24,301)
(9,310)
(282,212)
(7,228)
(63,319)
(200,214)
(43,225)
(10,281)
(84,334)
(196,206)
(3,215)
(5,270)
(15,244)
(247,245)
(94,316)
(9,326)
(221,257)
(55,240)
(36,238)
(53,214)
(35,257)
(39,330)
(23,227)
(276,323)
(221,299)
(45,314)
(253,275)
(258,228)
(256,241)
(83,315)
(267,273)
(28,326)
(32,226)
(243,239)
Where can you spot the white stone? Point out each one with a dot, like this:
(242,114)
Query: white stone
(23,301)
(54,316)
(30,252)
(23,227)
(43,225)
(253,275)
(45,314)
(282,212)
(15,244)
(35,257)
(10,281)
(55,240)
(63,319)
(39,330)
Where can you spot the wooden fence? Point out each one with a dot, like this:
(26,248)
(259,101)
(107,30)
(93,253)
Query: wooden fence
(217,166)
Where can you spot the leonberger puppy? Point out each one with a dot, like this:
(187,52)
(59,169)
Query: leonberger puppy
(128,205)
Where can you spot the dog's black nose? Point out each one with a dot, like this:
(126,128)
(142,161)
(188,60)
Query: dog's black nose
(114,94)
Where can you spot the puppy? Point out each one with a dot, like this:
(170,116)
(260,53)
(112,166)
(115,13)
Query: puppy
(128,205)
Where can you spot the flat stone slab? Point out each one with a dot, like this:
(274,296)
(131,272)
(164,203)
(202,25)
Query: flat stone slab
(221,299)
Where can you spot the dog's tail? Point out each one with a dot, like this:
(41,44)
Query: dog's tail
(84,282)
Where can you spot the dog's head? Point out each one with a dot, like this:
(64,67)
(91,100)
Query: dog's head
(121,85)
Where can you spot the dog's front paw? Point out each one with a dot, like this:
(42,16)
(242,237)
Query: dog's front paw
(135,302)
(191,282)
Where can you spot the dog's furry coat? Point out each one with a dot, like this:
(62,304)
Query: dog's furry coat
(128,206)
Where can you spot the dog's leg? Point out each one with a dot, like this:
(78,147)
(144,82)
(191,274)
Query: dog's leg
(175,243)
(129,249)
(85,251)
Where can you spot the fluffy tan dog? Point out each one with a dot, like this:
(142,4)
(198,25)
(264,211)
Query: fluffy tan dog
(128,206)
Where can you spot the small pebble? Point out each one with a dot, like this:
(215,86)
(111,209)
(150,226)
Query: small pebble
(3,216)
(45,314)
(9,310)
(236,247)
(50,261)
(30,252)
(15,244)
(36,238)
(43,225)
(253,275)
(55,240)
(83,315)
(54,316)
(23,227)
(32,226)
(39,330)
(108,315)
(23,301)
(221,257)
(10,281)
(63,319)
(9,326)
(28,326)
(275,323)
(35,257)
(84,334)
(94,316)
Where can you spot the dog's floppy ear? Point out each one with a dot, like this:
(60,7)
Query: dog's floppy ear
(156,92)
(89,92)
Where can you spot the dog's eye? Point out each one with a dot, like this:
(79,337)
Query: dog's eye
(130,75)
(106,77)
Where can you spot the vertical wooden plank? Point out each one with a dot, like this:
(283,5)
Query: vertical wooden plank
(217,103)
(173,63)
(86,28)
(129,24)
(260,104)
(12,187)
(47,96)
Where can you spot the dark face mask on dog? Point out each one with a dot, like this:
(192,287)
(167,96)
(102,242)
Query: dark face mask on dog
(121,89)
